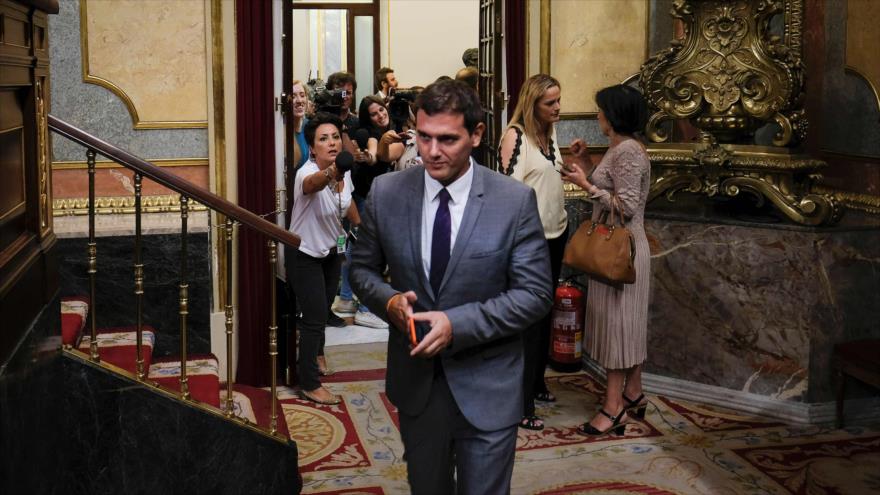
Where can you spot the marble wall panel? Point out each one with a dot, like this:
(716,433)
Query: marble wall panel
(115,288)
(74,183)
(31,409)
(162,66)
(758,309)
(124,438)
(98,111)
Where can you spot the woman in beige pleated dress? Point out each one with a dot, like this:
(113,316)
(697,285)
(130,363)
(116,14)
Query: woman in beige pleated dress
(617,316)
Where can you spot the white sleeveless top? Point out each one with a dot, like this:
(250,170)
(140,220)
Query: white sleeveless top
(541,172)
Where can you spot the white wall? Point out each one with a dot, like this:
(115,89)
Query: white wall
(424,39)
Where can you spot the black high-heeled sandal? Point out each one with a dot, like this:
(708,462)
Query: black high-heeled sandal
(616,427)
(636,407)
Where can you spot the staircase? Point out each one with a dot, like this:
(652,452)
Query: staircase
(185,391)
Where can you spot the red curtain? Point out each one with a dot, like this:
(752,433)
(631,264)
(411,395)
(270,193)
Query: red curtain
(255,135)
(515,47)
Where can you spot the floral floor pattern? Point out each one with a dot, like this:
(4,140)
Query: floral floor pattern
(680,448)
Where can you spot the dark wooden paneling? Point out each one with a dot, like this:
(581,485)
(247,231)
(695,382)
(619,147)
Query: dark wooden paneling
(28,270)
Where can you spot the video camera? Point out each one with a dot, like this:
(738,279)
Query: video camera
(399,102)
(326,100)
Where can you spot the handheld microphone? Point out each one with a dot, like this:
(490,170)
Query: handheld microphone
(361,136)
(344,161)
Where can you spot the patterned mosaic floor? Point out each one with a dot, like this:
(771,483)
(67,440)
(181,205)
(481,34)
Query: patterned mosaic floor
(681,448)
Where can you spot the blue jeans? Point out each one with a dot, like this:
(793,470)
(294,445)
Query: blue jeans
(345,292)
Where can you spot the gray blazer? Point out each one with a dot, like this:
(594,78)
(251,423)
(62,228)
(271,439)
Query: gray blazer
(496,285)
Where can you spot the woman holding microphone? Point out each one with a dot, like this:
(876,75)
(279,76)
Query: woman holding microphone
(322,198)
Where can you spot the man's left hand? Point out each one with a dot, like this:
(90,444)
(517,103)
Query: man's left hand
(439,338)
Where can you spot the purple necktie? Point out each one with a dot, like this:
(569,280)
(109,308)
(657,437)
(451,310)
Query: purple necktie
(440,241)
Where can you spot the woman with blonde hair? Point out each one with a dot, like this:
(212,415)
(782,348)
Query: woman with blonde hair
(529,153)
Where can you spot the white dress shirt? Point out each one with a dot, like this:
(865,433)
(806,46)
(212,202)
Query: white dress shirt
(458,197)
(317,218)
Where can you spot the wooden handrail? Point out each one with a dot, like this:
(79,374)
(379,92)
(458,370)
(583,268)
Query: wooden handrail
(174,182)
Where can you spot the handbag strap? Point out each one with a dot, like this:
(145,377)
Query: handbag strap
(616,207)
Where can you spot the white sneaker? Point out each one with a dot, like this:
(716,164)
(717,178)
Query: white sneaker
(369,320)
(345,307)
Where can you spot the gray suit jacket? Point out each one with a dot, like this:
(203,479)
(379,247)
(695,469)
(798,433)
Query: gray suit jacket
(496,285)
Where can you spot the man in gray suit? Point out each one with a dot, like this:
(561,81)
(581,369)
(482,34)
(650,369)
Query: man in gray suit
(468,259)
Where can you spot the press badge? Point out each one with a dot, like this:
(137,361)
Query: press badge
(340,244)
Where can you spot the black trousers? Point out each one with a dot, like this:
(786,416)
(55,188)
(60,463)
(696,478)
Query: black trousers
(536,340)
(445,454)
(314,283)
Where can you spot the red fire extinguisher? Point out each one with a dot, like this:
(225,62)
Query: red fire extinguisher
(567,330)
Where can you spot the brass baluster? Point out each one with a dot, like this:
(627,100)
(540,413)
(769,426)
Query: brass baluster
(139,276)
(229,314)
(184,296)
(92,251)
(273,335)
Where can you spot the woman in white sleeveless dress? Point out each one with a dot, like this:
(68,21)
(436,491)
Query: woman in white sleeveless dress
(530,154)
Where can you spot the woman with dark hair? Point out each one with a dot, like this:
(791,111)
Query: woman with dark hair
(617,316)
(373,117)
(321,199)
(529,153)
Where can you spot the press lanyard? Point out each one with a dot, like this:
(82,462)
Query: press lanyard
(340,239)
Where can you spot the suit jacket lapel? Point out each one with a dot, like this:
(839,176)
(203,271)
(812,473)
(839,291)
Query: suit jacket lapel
(414,203)
(468,221)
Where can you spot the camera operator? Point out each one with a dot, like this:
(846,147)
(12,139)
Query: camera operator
(385,80)
(345,81)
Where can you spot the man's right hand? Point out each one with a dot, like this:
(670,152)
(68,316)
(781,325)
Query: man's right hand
(400,309)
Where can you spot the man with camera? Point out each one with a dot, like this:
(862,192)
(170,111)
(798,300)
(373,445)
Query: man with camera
(346,82)
(385,81)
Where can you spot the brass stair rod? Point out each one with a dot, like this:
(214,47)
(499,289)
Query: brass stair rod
(184,302)
(139,276)
(273,335)
(229,231)
(92,252)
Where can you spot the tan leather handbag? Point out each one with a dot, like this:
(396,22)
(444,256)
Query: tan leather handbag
(605,252)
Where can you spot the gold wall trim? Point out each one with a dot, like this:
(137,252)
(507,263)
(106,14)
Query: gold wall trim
(861,75)
(43,160)
(106,205)
(544,59)
(850,156)
(83,358)
(113,88)
(218,97)
(869,203)
(159,162)
(579,116)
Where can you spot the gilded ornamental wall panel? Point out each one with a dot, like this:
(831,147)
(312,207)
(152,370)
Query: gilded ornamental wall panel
(592,45)
(863,41)
(152,55)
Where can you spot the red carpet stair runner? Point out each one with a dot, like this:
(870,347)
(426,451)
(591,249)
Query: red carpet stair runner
(118,346)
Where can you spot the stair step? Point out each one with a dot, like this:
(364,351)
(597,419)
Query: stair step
(202,373)
(254,404)
(74,312)
(118,346)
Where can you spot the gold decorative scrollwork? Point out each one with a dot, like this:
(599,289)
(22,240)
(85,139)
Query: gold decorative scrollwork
(729,75)
(42,156)
(710,168)
(121,205)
